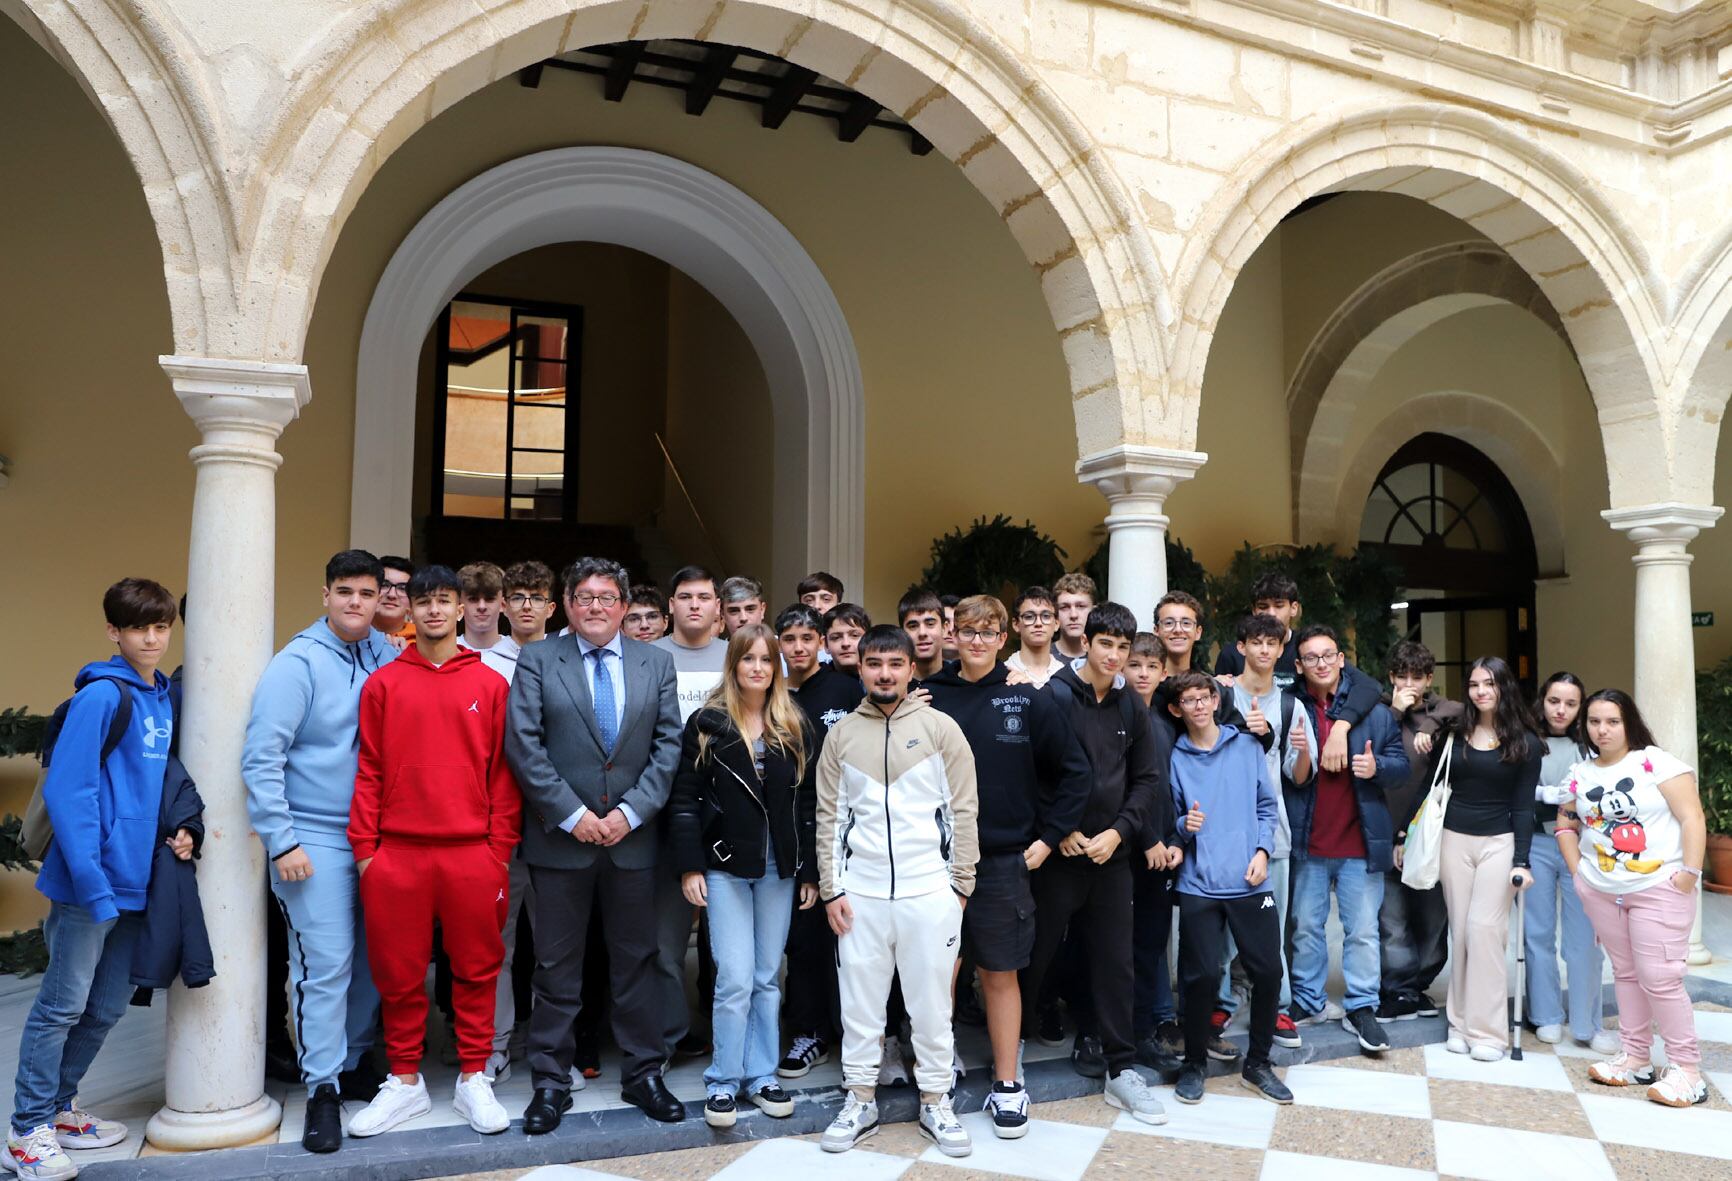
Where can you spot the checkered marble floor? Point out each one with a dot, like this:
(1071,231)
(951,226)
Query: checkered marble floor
(1412,1114)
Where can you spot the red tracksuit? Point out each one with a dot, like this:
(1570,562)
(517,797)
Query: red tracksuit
(437,811)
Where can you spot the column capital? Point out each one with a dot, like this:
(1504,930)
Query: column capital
(1671,524)
(1136,472)
(214,389)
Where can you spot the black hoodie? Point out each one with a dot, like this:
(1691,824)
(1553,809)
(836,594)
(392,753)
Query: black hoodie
(1033,776)
(1129,762)
(826,697)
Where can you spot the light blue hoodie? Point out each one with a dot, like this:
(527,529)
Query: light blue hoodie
(1230,783)
(104,814)
(304,736)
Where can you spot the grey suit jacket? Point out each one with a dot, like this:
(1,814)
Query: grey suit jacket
(554,749)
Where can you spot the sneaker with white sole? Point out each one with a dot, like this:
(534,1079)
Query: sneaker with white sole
(77,1128)
(1621,1070)
(1605,1041)
(938,1123)
(772,1101)
(1363,1024)
(1677,1089)
(396,1103)
(1129,1093)
(1551,1035)
(806,1052)
(37,1155)
(892,1071)
(474,1100)
(857,1120)
(1457,1045)
(1484,1053)
(1008,1107)
(498,1067)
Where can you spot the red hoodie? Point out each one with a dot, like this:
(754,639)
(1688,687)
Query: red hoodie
(432,761)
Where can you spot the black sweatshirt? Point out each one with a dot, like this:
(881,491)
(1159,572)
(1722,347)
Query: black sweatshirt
(1489,797)
(1129,782)
(826,697)
(1033,776)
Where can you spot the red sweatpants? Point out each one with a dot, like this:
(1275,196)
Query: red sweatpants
(406,889)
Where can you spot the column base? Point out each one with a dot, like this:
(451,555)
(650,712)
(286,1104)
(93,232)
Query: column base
(190,1131)
(1698,956)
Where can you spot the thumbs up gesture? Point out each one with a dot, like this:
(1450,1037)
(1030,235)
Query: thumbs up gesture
(1297,740)
(1194,818)
(1255,721)
(1365,763)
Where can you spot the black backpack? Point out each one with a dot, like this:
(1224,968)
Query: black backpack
(37,832)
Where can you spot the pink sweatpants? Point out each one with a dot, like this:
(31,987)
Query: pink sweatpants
(1647,937)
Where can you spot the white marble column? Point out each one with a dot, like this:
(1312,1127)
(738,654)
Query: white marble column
(1665,647)
(1136,481)
(215,1067)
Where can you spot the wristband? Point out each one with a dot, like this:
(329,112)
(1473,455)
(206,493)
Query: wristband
(293,847)
(1694,872)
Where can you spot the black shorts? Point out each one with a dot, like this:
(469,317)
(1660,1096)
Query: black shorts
(998,925)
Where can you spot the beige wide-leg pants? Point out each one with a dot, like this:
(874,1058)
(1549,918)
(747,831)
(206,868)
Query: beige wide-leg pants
(1475,873)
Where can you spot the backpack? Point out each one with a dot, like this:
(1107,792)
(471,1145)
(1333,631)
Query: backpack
(36,832)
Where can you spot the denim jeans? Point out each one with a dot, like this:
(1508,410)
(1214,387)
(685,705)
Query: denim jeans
(1280,880)
(1582,956)
(83,993)
(1358,896)
(1152,901)
(748,928)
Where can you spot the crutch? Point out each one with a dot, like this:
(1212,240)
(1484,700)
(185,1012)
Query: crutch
(1521,988)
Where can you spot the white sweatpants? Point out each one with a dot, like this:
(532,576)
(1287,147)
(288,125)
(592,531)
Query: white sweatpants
(918,937)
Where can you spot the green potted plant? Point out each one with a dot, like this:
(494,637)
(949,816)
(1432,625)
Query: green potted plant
(992,557)
(1714,776)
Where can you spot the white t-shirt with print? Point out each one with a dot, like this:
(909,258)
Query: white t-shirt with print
(1630,840)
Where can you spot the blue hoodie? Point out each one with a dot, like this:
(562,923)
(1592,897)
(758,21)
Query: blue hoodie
(304,737)
(1230,782)
(104,814)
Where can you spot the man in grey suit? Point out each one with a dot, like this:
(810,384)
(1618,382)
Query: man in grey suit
(593,738)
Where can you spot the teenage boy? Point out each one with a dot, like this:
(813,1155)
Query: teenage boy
(433,825)
(1267,711)
(298,762)
(483,605)
(1154,1022)
(1089,884)
(1414,923)
(897,845)
(1035,619)
(646,616)
(1342,844)
(95,875)
(820,591)
(1228,813)
(392,616)
(950,603)
(920,613)
(1034,783)
(845,625)
(742,603)
(1073,599)
(1276,595)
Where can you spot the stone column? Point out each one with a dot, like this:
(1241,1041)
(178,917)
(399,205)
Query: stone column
(215,1067)
(1136,481)
(1665,685)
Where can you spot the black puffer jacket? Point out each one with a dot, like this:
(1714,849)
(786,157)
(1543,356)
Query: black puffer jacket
(724,817)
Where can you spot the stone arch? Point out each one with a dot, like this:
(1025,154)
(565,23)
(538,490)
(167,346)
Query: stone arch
(1702,325)
(1541,210)
(1334,506)
(688,218)
(361,93)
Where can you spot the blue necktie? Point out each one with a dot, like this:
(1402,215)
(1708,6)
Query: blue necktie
(606,713)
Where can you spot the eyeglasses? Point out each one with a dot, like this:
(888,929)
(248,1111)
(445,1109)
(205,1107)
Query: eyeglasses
(636,617)
(1182,626)
(1195,701)
(1036,617)
(1319,659)
(968,635)
(588,599)
(393,588)
(521,601)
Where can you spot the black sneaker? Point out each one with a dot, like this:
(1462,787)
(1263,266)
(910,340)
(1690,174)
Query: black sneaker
(1171,1035)
(806,1052)
(1362,1023)
(323,1131)
(360,1084)
(1152,1053)
(1218,1047)
(1087,1057)
(1049,1029)
(1261,1078)
(1008,1106)
(720,1111)
(1399,1006)
(1190,1087)
(773,1101)
(1423,1005)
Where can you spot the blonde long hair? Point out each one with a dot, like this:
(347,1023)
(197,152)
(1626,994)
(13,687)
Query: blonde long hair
(783,721)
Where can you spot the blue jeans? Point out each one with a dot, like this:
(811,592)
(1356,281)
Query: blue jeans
(83,993)
(748,929)
(1582,956)
(1358,896)
(1279,883)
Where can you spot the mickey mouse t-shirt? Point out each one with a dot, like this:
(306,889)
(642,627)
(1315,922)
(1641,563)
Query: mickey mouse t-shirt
(1630,839)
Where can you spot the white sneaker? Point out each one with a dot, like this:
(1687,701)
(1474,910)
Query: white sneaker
(856,1121)
(1486,1054)
(473,1099)
(1677,1089)
(1605,1041)
(938,1123)
(77,1128)
(396,1103)
(1621,1070)
(1008,1107)
(1456,1045)
(37,1155)
(892,1072)
(1551,1035)
(1129,1093)
(498,1067)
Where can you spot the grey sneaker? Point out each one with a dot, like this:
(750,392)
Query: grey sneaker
(856,1121)
(938,1123)
(1129,1093)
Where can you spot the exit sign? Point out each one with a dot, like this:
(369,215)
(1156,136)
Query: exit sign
(1701,619)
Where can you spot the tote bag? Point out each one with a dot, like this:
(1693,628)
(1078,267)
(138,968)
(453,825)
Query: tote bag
(1423,851)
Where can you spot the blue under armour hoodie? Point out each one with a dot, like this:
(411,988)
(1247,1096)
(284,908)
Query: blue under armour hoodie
(104,813)
(304,738)
(1230,783)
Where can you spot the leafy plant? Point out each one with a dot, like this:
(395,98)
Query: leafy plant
(993,557)
(21,732)
(24,953)
(1714,744)
(1348,592)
